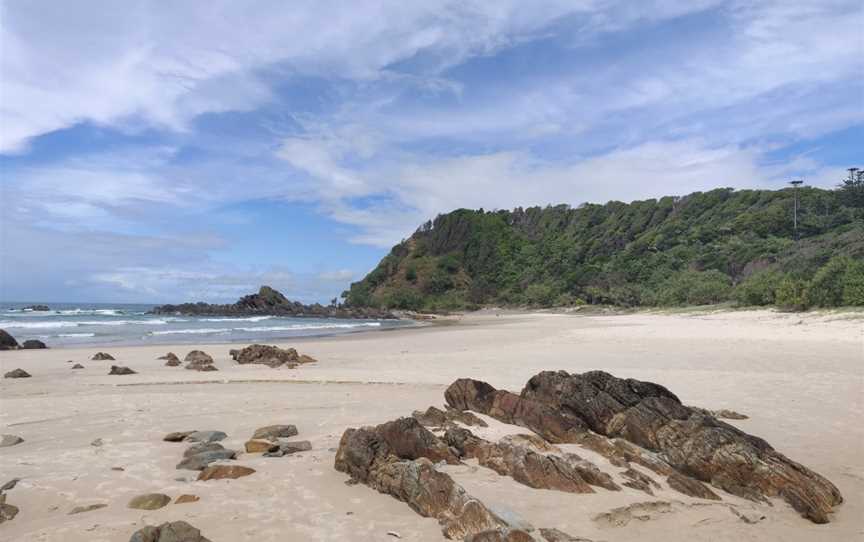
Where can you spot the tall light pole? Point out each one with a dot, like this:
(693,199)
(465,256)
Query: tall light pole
(795,184)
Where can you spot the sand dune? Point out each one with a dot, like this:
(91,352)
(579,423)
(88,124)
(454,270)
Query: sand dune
(799,378)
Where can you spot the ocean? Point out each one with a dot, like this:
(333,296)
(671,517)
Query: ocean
(74,324)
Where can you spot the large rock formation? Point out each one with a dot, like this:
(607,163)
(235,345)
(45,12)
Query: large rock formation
(271,302)
(646,423)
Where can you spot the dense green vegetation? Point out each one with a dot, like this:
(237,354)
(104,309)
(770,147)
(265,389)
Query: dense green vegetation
(705,248)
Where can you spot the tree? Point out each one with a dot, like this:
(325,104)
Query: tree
(851,190)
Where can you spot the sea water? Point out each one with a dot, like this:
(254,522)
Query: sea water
(71,324)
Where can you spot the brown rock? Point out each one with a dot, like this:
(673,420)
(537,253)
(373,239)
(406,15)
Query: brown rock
(712,451)
(198,360)
(183,499)
(86,508)
(149,501)
(118,370)
(77,366)
(177,436)
(467,394)
(170,356)
(10,440)
(640,481)
(260,446)
(17,373)
(273,432)
(689,486)
(102,356)
(435,417)
(7,511)
(554,535)
(220,472)
(271,356)
(175,531)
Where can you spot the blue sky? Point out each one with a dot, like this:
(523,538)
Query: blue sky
(153,154)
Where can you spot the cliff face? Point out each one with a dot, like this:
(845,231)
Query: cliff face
(271,302)
(704,248)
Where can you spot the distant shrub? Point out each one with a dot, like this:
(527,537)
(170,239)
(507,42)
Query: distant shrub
(826,288)
(568,300)
(449,263)
(759,288)
(439,282)
(403,298)
(791,294)
(853,284)
(695,288)
(540,295)
(411,274)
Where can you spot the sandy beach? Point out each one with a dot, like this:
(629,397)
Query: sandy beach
(799,378)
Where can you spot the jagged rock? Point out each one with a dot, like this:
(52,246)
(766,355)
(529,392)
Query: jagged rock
(501,535)
(273,432)
(710,450)
(77,366)
(170,356)
(202,460)
(17,373)
(467,394)
(10,440)
(177,436)
(33,344)
(729,415)
(689,486)
(219,472)
(149,501)
(260,446)
(86,508)
(640,481)
(554,535)
(9,485)
(533,442)
(272,356)
(7,341)
(198,356)
(7,511)
(510,458)
(435,417)
(118,370)
(184,499)
(197,360)
(205,436)
(175,531)
(102,356)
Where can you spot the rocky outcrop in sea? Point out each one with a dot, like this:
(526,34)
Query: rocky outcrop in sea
(271,302)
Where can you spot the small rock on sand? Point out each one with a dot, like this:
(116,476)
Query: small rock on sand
(175,531)
(102,356)
(77,366)
(220,472)
(202,447)
(33,344)
(119,370)
(260,446)
(149,501)
(7,511)
(288,448)
(201,460)
(10,440)
(17,373)
(205,436)
(86,508)
(273,432)
(177,436)
(183,499)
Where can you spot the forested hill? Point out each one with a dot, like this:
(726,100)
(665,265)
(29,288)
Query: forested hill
(704,248)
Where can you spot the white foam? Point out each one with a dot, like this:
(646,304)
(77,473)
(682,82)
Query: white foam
(76,334)
(298,327)
(247,319)
(185,331)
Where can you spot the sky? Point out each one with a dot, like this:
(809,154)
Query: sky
(162,154)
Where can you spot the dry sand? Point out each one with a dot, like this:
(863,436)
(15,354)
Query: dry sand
(799,378)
